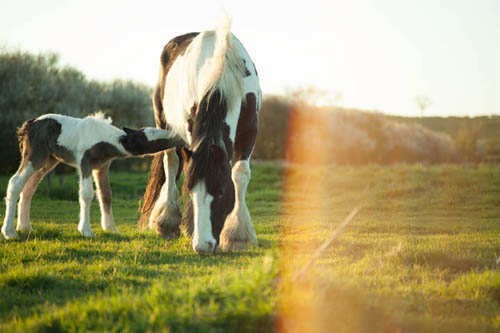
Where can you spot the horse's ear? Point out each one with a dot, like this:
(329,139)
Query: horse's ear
(217,153)
(186,154)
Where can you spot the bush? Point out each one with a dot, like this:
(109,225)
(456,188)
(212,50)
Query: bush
(32,85)
(294,130)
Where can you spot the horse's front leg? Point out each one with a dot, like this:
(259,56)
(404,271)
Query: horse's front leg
(238,230)
(104,195)
(86,195)
(165,217)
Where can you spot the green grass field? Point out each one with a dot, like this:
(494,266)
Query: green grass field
(419,257)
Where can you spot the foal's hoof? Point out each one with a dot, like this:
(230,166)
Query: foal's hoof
(112,229)
(23,228)
(9,234)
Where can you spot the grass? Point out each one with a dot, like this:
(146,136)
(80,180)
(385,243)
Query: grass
(420,256)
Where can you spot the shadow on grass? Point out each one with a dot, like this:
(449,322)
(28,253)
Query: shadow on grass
(20,295)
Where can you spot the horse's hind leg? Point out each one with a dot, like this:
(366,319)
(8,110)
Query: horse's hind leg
(86,194)
(101,179)
(23,213)
(166,215)
(16,184)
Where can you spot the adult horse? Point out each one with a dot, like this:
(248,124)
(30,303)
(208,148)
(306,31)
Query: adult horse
(208,93)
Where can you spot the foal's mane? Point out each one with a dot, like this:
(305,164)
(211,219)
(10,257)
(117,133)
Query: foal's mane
(100,116)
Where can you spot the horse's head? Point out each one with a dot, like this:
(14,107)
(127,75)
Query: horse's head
(209,183)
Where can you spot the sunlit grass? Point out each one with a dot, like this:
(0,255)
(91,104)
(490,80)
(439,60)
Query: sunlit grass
(420,256)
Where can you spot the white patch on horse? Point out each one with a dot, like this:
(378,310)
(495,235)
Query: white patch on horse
(153,134)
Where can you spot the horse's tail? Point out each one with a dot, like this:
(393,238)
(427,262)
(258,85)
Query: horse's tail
(153,189)
(23,134)
(225,68)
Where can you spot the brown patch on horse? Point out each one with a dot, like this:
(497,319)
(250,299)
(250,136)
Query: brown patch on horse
(38,142)
(97,156)
(173,49)
(101,177)
(246,131)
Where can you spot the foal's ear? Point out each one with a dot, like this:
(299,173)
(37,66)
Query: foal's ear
(128,130)
(186,154)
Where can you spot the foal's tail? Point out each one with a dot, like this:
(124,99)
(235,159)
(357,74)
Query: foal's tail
(23,134)
(155,182)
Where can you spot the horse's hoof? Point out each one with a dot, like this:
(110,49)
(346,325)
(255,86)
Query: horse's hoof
(168,227)
(87,233)
(238,232)
(9,234)
(168,232)
(237,244)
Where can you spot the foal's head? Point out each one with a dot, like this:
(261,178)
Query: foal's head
(148,140)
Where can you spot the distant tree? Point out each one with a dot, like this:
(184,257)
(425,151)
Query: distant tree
(423,102)
(313,96)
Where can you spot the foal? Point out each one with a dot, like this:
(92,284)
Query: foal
(89,145)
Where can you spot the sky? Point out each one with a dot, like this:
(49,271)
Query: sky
(374,55)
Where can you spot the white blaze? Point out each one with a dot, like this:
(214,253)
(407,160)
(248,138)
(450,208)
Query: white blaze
(203,240)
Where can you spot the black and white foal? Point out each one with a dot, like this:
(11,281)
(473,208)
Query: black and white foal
(208,93)
(88,144)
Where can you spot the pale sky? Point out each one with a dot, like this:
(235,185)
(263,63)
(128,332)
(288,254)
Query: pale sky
(377,54)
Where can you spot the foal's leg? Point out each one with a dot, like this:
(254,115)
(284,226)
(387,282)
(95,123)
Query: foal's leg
(86,195)
(166,216)
(23,213)
(16,184)
(101,179)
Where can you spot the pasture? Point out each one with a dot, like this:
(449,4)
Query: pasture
(420,256)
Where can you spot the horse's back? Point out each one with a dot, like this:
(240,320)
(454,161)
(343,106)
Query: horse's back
(186,64)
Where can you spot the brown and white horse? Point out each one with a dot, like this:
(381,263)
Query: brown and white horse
(89,144)
(208,92)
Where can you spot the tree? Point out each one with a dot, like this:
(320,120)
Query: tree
(423,102)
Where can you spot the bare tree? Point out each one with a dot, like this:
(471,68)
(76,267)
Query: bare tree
(423,102)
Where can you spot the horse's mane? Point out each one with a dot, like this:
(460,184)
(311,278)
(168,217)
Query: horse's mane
(209,130)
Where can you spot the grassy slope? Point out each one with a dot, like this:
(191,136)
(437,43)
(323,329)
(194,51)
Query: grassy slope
(419,256)
(452,125)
